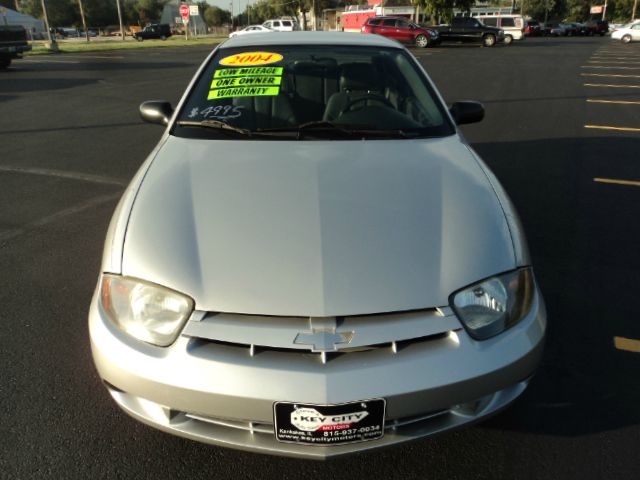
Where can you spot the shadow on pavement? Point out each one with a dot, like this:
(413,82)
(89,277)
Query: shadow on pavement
(107,65)
(72,128)
(584,239)
(22,85)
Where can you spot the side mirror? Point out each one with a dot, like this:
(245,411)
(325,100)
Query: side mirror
(156,111)
(467,112)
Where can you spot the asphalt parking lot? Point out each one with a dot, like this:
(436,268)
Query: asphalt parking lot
(561,132)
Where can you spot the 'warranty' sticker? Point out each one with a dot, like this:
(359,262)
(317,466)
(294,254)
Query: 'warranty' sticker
(250,59)
(243,92)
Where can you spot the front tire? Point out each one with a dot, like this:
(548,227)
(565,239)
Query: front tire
(163,37)
(139,39)
(626,39)
(489,40)
(508,40)
(422,41)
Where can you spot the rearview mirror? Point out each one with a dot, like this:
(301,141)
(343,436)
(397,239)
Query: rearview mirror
(467,112)
(156,111)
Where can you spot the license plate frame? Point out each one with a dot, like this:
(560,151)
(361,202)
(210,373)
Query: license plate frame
(329,424)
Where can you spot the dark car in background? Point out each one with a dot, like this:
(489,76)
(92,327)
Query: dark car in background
(533,28)
(470,30)
(401,30)
(160,31)
(597,27)
(556,30)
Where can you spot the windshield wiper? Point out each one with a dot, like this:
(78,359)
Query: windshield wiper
(350,130)
(216,125)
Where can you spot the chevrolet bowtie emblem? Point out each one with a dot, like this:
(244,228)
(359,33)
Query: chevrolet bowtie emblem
(322,336)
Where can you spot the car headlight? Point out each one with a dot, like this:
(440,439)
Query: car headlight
(147,312)
(493,305)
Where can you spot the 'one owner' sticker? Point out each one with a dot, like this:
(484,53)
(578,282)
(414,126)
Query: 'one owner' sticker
(250,59)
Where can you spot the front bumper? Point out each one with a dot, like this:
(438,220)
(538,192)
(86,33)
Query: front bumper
(212,393)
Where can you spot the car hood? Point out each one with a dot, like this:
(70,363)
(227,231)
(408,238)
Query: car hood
(316,228)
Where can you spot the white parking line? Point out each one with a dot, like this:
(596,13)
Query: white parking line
(614,62)
(615,102)
(610,68)
(16,232)
(609,75)
(607,85)
(85,177)
(618,55)
(49,61)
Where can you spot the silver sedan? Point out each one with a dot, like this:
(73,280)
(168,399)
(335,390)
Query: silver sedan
(312,261)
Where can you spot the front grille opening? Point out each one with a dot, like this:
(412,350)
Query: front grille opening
(199,345)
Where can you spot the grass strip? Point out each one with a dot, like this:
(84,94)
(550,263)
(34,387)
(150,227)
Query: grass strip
(39,48)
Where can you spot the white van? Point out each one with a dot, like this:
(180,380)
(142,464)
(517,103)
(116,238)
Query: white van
(281,25)
(513,25)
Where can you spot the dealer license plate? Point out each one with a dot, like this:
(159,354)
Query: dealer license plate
(329,424)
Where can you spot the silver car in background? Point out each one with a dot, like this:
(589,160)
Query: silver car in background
(312,261)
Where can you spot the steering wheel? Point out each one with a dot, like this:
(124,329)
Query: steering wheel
(363,99)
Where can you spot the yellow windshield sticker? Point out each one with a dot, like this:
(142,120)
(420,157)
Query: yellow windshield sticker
(250,59)
(245,81)
(246,72)
(243,92)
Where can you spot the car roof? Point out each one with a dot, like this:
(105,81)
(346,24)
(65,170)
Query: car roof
(310,38)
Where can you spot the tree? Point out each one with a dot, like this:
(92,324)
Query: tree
(216,17)
(149,11)
(62,13)
(100,13)
(8,4)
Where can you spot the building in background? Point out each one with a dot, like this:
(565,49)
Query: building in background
(35,28)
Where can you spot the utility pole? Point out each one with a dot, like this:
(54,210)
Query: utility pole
(53,45)
(120,19)
(604,10)
(17,5)
(633,13)
(84,21)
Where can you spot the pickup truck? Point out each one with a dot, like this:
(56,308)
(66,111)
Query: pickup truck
(13,43)
(469,29)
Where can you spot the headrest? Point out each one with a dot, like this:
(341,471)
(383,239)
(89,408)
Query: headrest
(358,76)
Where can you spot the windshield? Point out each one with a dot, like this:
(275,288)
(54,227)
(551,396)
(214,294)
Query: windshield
(323,92)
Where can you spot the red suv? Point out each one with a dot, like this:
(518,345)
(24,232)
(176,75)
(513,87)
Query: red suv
(402,30)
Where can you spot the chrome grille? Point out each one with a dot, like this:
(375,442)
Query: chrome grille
(326,336)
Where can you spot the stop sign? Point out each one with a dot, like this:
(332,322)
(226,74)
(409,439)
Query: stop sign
(184,12)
